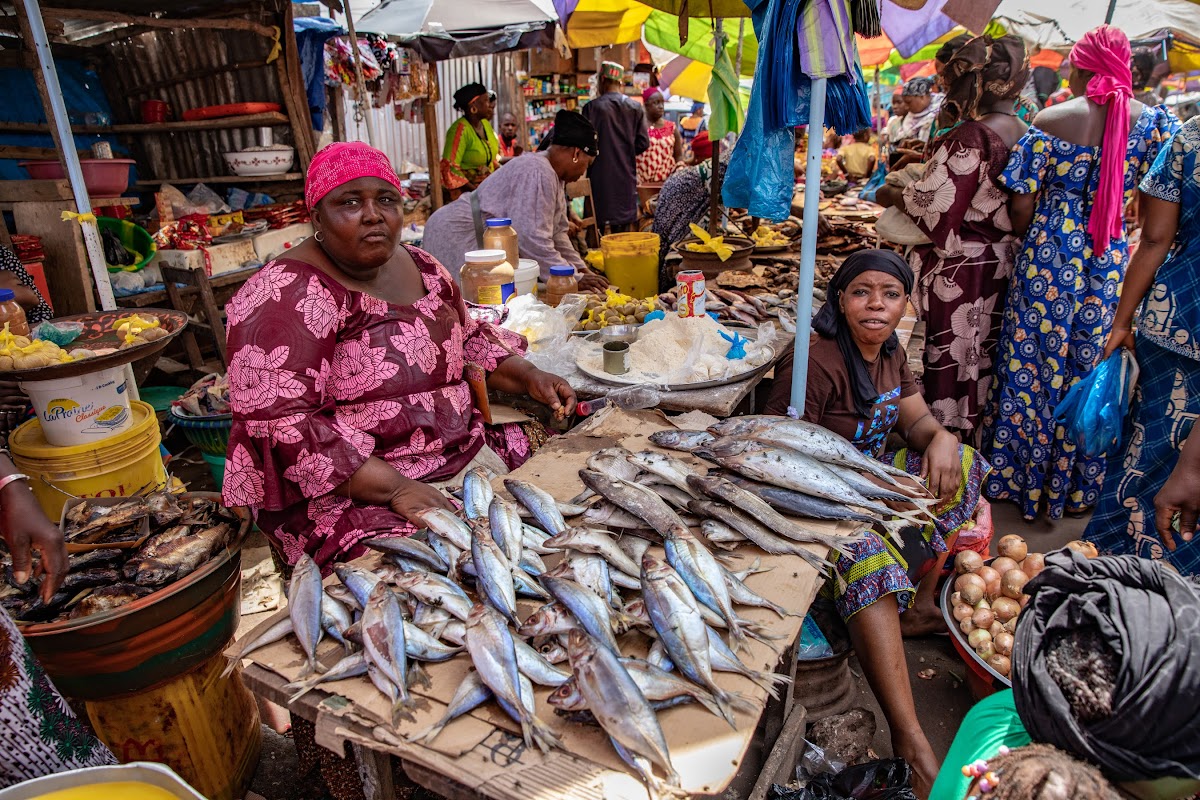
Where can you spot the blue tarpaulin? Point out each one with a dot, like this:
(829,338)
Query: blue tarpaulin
(311,35)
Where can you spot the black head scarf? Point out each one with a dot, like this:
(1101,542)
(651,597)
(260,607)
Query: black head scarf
(1150,617)
(467,93)
(572,129)
(831,323)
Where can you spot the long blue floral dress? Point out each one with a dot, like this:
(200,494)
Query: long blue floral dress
(1057,318)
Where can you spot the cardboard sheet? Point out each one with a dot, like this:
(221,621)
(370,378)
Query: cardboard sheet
(483,750)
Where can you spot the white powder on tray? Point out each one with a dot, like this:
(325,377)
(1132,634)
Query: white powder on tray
(677,350)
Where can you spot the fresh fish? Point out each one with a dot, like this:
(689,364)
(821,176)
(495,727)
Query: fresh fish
(617,703)
(493,573)
(304,607)
(505,524)
(335,619)
(611,516)
(477,492)
(410,549)
(531,563)
(445,550)
(592,571)
(589,610)
(469,695)
(431,619)
(539,502)
(723,659)
(179,557)
(873,491)
(681,440)
(280,630)
(656,684)
(637,500)
(445,524)
(635,547)
(523,583)
(490,644)
(706,578)
(720,535)
(659,657)
(384,643)
(359,581)
(420,645)
(551,618)
(743,595)
(597,542)
(802,505)
(613,461)
(672,470)
(384,685)
(343,595)
(534,540)
(350,666)
(674,613)
(437,591)
(757,533)
(534,666)
(552,649)
(455,632)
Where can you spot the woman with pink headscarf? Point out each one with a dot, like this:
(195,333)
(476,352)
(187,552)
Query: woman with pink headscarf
(666,145)
(1068,177)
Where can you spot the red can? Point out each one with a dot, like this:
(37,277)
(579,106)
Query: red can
(155,111)
(691,292)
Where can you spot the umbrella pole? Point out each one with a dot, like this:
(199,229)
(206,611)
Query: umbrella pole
(364,104)
(808,246)
(714,189)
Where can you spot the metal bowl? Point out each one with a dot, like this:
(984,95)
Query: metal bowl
(617,333)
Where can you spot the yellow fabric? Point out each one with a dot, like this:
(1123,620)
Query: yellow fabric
(80,218)
(276,47)
(857,158)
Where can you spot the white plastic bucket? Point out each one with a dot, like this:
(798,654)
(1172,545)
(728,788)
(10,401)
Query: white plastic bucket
(526,276)
(157,775)
(83,409)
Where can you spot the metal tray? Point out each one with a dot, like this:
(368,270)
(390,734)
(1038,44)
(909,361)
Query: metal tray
(620,380)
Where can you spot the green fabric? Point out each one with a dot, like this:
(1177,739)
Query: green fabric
(728,114)
(991,723)
(662,30)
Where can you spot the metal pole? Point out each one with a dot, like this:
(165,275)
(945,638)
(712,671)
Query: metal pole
(808,246)
(714,189)
(363,100)
(1112,9)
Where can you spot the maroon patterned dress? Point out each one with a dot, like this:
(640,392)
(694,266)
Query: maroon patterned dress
(321,378)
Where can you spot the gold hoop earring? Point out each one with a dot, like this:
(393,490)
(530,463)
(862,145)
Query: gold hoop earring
(575,158)
(319,236)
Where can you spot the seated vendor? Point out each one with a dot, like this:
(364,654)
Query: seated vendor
(860,387)
(14,405)
(346,373)
(1104,654)
(532,193)
(857,159)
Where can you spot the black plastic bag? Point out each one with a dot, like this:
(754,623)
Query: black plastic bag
(885,779)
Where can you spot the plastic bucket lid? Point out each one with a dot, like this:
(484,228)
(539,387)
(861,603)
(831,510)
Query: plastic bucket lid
(29,441)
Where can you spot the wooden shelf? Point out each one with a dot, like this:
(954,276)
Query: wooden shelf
(41,127)
(282,178)
(109,202)
(223,123)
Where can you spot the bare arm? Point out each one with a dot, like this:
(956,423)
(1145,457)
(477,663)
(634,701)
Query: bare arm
(678,151)
(1160,223)
(26,298)
(1020,211)
(515,375)
(940,466)
(888,196)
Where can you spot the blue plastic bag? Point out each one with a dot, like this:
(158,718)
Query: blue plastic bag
(1093,411)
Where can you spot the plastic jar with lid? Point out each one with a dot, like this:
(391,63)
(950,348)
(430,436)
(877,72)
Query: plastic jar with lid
(562,282)
(487,277)
(498,234)
(12,314)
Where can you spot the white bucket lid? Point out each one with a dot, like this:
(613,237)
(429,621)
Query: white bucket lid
(527,267)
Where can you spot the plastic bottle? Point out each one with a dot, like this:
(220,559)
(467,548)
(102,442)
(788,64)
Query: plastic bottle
(499,235)
(12,314)
(562,282)
(487,277)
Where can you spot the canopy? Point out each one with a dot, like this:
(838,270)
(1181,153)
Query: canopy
(442,29)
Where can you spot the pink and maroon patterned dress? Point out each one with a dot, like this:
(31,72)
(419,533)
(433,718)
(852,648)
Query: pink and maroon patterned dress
(321,378)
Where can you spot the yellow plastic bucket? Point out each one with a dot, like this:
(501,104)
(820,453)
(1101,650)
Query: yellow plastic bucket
(117,466)
(631,262)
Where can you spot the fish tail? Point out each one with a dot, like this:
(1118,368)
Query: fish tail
(706,699)
(543,736)
(723,701)
(304,686)
(417,676)
(427,735)
(231,666)
(400,711)
(892,528)
(759,633)
(740,702)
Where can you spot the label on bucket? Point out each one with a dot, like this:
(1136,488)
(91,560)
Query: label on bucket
(81,410)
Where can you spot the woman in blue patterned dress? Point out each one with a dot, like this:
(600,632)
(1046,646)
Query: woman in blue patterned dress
(1067,277)
(1164,281)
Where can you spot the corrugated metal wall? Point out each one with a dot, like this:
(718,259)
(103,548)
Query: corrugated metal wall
(405,141)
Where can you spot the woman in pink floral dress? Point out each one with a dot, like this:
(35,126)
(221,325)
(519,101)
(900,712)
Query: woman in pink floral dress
(346,374)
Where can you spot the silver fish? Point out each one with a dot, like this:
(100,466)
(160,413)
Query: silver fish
(246,646)
(597,542)
(505,524)
(358,580)
(592,571)
(304,607)
(551,618)
(469,695)
(523,583)
(723,659)
(656,684)
(672,470)
(534,666)
(350,666)
(335,619)
(409,548)
(431,619)
(637,500)
(618,579)
(445,550)
(493,573)
(551,648)
(705,577)
(684,441)
(455,632)
(589,610)
(659,657)
(612,516)
(873,491)
(437,591)
(384,642)
(676,497)
(802,505)
(534,540)
(420,645)
(477,492)
(635,547)
(493,653)
(622,710)
(531,563)
(343,595)
(756,533)
(539,502)
(612,461)
(718,534)
(445,524)
(743,595)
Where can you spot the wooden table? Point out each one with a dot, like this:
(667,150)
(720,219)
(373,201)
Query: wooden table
(224,287)
(481,756)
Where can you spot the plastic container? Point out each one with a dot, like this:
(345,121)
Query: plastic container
(498,234)
(12,314)
(217,465)
(103,177)
(487,277)
(157,775)
(210,434)
(631,262)
(562,282)
(525,279)
(81,410)
(118,466)
(134,238)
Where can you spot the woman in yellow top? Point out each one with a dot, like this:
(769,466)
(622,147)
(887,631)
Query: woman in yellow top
(472,150)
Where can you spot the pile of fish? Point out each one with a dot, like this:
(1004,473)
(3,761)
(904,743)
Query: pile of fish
(455,588)
(139,545)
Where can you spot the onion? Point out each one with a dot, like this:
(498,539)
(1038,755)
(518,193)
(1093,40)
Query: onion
(1086,549)
(962,611)
(956,600)
(1011,625)
(982,604)
(967,561)
(1003,564)
(1006,608)
(1003,643)
(996,629)
(991,582)
(967,580)
(983,618)
(966,626)
(985,651)
(971,594)
(1012,546)
(1013,583)
(1033,563)
(978,637)
(1001,664)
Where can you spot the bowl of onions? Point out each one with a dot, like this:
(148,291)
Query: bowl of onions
(981,603)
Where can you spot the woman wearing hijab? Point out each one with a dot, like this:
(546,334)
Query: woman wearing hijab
(1068,177)
(666,145)
(966,266)
(347,377)
(860,387)
(472,150)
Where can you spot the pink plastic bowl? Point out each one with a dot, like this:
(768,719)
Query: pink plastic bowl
(104,177)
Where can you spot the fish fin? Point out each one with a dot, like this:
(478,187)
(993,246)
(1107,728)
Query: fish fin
(706,699)
(738,639)
(893,527)
(727,560)
(543,736)
(769,681)
(305,687)
(427,735)
(400,711)
(417,676)
(758,632)
(231,666)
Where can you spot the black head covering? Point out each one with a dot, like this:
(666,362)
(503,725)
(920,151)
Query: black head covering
(831,323)
(572,129)
(918,87)
(464,96)
(1150,617)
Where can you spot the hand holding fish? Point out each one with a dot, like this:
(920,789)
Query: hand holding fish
(26,529)
(941,467)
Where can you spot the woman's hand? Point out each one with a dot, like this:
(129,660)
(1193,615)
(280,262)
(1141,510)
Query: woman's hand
(412,497)
(592,281)
(1121,336)
(551,390)
(941,467)
(26,529)
(1180,495)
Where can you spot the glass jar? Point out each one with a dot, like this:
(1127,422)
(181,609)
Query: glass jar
(487,278)
(562,282)
(12,314)
(499,235)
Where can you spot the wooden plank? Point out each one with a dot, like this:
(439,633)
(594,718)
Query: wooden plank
(35,191)
(781,763)
(291,85)
(375,772)
(35,153)
(433,148)
(155,22)
(42,127)
(66,263)
(223,123)
(283,178)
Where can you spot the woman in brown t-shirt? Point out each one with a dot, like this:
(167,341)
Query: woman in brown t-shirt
(859,386)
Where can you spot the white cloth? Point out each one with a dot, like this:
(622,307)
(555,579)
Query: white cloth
(920,126)
(527,191)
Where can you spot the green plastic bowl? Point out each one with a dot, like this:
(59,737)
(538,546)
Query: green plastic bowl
(210,434)
(135,238)
(217,465)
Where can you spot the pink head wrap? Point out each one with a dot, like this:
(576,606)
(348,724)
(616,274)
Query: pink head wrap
(1105,51)
(342,162)
(649,92)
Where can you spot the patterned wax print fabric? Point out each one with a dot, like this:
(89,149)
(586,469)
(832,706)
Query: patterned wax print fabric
(656,164)
(10,263)
(39,733)
(322,378)
(467,158)
(1057,318)
(963,274)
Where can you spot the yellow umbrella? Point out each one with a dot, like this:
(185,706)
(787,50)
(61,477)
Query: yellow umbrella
(599,23)
(687,78)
